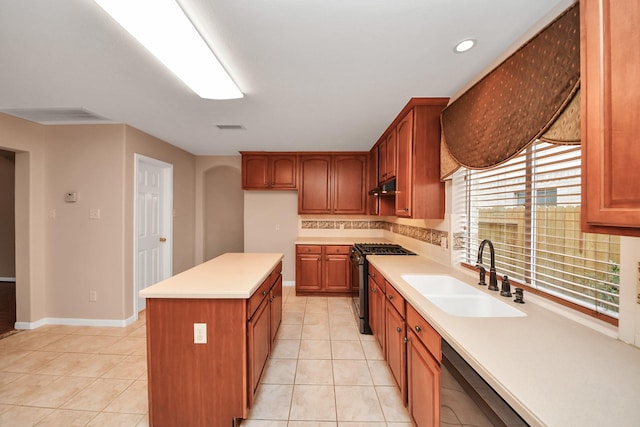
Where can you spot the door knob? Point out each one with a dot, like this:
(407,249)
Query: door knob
(163,239)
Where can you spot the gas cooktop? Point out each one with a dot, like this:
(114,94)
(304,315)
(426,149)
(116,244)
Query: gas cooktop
(381,249)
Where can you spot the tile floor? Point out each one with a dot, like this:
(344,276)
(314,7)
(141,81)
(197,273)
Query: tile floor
(322,373)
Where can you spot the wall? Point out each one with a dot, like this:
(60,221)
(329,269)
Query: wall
(184,202)
(629,326)
(7,215)
(271,225)
(85,254)
(224,200)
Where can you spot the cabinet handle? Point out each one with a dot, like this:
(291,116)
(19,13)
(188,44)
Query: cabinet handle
(398,329)
(418,329)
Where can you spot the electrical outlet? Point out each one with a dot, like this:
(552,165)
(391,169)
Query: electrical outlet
(93,296)
(94,213)
(199,333)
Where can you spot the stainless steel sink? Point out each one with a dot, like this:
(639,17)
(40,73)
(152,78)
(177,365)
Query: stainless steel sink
(457,298)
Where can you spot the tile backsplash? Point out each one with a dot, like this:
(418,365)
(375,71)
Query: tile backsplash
(427,235)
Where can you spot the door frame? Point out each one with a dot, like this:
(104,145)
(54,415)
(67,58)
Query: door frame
(166,221)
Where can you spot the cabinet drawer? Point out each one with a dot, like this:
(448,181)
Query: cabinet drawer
(342,249)
(395,298)
(308,249)
(378,278)
(258,296)
(425,333)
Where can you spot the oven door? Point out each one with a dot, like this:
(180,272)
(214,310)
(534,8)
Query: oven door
(361,299)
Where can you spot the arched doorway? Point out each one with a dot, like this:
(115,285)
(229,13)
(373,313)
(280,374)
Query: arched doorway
(7,242)
(223,212)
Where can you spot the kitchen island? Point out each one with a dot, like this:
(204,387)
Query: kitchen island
(209,333)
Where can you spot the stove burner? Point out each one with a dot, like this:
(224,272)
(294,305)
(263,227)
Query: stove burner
(381,249)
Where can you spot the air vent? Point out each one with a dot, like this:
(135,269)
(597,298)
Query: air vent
(230,127)
(56,116)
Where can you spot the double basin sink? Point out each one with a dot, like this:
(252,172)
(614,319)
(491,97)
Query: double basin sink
(457,298)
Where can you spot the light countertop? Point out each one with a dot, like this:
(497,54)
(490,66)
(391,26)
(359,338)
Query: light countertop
(552,370)
(232,275)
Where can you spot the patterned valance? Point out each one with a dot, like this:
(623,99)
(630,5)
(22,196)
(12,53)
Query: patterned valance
(532,95)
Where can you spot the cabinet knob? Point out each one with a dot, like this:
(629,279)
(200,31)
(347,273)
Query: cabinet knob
(264,293)
(270,299)
(405,339)
(418,329)
(398,329)
(374,290)
(390,297)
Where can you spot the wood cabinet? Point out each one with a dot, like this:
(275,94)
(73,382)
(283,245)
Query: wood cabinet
(424,356)
(404,186)
(269,171)
(377,309)
(275,300)
(199,385)
(395,338)
(332,184)
(372,182)
(387,157)
(323,269)
(610,96)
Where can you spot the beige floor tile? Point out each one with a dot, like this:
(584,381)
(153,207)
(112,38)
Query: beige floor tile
(66,364)
(312,424)
(126,345)
(272,402)
(346,350)
(292,317)
(358,403)
(351,372)
(23,416)
(392,405)
(320,301)
(285,349)
(363,424)
(29,362)
(372,350)
(144,422)
(315,332)
(316,319)
(342,319)
(290,332)
(315,349)
(344,332)
(314,372)
(380,372)
(134,400)
(8,377)
(400,425)
(367,337)
(10,356)
(48,393)
(97,395)
(106,419)
(280,371)
(81,344)
(139,332)
(316,308)
(294,307)
(96,365)
(58,329)
(67,418)
(103,330)
(29,340)
(131,367)
(264,423)
(313,402)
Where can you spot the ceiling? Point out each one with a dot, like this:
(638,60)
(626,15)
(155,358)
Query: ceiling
(316,74)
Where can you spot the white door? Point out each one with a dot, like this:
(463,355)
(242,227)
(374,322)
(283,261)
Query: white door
(153,224)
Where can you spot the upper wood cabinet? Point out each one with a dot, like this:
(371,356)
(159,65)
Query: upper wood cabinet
(269,171)
(610,97)
(419,192)
(332,184)
(387,150)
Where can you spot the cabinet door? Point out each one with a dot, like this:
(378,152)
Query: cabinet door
(315,185)
(396,348)
(258,345)
(610,121)
(337,271)
(391,160)
(349,174)
(255,172)
(404,131)
(423,384)
(372,181)
(275,305)
(309,271)
(284,172)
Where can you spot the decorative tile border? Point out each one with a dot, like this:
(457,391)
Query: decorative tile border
(428,235)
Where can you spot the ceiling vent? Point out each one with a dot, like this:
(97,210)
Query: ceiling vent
(230,127)
(57,116)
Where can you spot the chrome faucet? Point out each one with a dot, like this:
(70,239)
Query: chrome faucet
(493,279)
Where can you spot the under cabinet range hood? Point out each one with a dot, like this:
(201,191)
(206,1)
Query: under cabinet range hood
(386,189)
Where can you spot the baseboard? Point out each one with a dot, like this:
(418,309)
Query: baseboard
(8,279)
(75,322)
(288,283)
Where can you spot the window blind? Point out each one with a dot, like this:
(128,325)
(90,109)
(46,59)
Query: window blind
(529,207)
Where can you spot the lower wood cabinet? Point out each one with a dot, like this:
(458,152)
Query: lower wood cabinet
(211,384)
(377,307)
(323,269)
(395,337)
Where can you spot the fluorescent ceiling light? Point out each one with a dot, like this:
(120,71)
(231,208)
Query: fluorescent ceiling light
(464,45)
(163,28)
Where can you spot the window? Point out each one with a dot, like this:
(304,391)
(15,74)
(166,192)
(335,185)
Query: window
(529,208)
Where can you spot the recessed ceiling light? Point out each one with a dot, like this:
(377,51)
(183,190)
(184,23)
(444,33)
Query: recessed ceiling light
(464,45)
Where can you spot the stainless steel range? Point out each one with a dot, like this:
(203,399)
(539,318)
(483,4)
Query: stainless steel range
(360,276)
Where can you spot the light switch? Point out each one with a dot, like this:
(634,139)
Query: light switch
(199,333)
